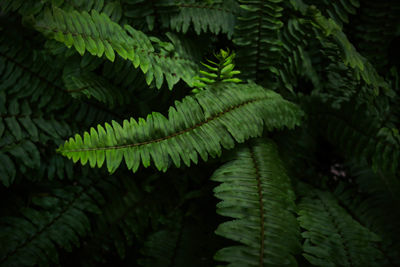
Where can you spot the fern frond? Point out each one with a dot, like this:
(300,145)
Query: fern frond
(340,11)
(332,236)
(257,193)
(361,137)
(220,71)
(199,124)
(32,7)
(256,35)
(214,17)
(164,247)
(148,15)
(295,59)
(99,35)
(374,201)
(374,30)
(90,85)
(26,72)
(29,93)
(25,8)
(364,69)
(33,238)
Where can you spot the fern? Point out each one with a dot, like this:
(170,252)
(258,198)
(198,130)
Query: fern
(216,18)
(36,234)
(257,193)
(374,207)
(257,33)
(89,85)
(333,237)
(221,71)
(185,88)
(215,115)
(362,138)
(99,35)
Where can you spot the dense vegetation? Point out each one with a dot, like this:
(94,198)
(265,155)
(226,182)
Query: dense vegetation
(199,133)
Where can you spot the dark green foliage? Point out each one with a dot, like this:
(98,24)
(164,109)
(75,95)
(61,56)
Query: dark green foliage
(257,193)
(333,237)
(288,110)
(59,218)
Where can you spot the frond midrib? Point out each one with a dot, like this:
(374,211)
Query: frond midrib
(198,125)
(260,198)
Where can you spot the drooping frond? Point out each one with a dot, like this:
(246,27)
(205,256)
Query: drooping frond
(364,69)
(99,35)
(256,35)
(340,11)
(33,238)
(257,193)
(199,124)
(332,236)
(216,17)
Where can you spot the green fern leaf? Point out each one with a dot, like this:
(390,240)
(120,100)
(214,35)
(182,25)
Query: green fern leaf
(199,124)
(332,236)
(99,35)
(257,193)
(257,38)
(90,85)
(351,57)
(33,238)
(214,17)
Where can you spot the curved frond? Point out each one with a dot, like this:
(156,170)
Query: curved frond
(257,193)
(199,124)
(332,236)
(99,35)
(364,69)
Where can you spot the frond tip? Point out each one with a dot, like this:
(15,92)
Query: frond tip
(199,124)
(257,193)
